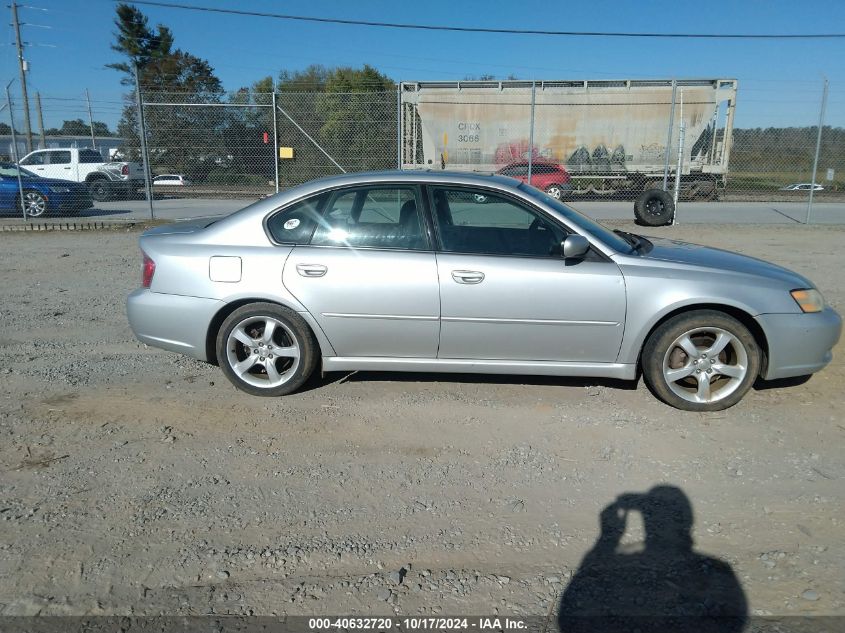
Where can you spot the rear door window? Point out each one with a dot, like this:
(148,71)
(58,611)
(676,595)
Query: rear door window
(373,217)
(59,158)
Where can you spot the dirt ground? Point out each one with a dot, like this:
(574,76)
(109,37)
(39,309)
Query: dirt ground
(135,481)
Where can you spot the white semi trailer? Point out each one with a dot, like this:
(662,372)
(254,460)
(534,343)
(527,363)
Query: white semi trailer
(611,136)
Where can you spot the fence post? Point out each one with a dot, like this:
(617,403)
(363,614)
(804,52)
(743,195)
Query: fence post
(275,138)
(142,132)
(531,130)
(15,149)
(818,148)
(399,126)
(669,137)
(681,131)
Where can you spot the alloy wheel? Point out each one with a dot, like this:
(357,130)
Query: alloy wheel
(705,365)
(263,351)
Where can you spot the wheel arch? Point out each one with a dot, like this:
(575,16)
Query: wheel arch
(226,310)
(738,313)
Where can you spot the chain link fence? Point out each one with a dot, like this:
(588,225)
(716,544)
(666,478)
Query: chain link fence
(586,140)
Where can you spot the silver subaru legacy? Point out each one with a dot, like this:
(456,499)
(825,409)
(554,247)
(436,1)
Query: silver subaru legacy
(454,272)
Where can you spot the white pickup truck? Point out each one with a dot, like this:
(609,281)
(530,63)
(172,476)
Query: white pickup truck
(104,180)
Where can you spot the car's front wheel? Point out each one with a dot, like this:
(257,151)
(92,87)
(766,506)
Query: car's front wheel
(34,204)
(266,349)
(703,360)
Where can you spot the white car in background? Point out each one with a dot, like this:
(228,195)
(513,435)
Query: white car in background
(171,180)
(802,186)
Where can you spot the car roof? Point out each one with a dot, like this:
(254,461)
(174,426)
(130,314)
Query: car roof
(413,176)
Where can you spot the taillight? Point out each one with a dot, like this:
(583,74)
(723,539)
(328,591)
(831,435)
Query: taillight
(149,270)
(124,170)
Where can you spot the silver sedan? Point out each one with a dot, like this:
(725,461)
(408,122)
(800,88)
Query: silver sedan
(452,272)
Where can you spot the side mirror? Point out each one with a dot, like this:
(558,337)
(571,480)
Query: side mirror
(574,246)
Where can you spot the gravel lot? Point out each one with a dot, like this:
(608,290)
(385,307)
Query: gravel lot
(135,481)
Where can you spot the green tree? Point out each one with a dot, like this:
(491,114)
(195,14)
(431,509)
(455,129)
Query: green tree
(179,137)
(350,112)
(78,127)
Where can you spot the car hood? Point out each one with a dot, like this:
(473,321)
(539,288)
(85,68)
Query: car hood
(715,258)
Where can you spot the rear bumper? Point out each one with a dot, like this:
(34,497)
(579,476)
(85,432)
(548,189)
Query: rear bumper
(799,344)
(171,322)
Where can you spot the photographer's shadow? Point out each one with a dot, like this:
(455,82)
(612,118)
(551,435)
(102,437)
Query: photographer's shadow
(665,586)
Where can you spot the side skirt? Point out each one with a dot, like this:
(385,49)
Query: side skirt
(472,366)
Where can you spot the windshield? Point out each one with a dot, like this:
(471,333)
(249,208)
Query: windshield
(581,221)
(7,170)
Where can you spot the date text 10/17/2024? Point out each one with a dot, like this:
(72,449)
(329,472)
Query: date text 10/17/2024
(417,624)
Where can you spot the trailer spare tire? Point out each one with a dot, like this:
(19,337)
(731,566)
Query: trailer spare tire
(654,207)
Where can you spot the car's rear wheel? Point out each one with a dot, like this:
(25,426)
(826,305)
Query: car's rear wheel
(266,349)
(703,360)
(34,204)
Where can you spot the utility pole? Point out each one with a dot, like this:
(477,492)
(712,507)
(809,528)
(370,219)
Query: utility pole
(22,66)
(40,120)
(90,120)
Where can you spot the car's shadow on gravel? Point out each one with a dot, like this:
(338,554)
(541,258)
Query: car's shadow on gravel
(781,383)
(484,379)
(661,585)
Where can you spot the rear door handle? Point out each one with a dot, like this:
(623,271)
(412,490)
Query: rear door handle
(467,276)
(311,270)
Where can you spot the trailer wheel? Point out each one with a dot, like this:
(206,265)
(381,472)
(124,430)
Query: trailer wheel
(654,207)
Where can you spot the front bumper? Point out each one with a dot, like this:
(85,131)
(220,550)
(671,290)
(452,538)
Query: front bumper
(172,322)
(799,344)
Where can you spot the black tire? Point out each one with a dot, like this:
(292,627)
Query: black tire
(654,207)
(294,332)
(100,189)
(35,202)
(662,352)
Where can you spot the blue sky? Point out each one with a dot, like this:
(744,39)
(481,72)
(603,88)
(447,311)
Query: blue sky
(780,81)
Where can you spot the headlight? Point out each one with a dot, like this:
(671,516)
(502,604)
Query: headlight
(808,299)
(59,189)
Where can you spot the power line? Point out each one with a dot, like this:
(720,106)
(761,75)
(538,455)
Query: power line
(467,29)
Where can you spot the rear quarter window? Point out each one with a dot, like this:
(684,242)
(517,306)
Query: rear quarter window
(296,223)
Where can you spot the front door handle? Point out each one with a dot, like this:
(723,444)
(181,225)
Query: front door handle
(311,270)
(467,276)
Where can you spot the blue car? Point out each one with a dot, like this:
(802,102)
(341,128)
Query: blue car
(40,195)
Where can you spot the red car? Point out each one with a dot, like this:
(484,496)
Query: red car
(550,177)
